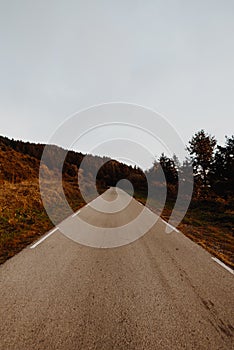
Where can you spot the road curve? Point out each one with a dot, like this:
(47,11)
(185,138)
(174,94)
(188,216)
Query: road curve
(161,291)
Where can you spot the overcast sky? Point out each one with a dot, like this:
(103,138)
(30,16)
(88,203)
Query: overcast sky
(57,57)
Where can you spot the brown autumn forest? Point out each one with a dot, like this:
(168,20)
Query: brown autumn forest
(209,219)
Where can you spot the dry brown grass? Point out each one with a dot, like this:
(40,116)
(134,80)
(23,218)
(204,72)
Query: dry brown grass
(23,217)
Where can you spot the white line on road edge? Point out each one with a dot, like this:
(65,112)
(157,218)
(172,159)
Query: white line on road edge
(223,265)
(172,227)
(75,213)
(43,238)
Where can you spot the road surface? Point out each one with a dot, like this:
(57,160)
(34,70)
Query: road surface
(161,291)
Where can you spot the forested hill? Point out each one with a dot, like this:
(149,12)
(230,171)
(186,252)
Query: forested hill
(22,215)
(209,220)
(213,166)
(21,160)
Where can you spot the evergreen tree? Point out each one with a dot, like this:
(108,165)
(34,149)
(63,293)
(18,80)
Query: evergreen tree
(201,148)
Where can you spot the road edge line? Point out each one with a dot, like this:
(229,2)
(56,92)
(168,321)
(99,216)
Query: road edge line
(223,265)
(77,212)
(172,227)
(43,238)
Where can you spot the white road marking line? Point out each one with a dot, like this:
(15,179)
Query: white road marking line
(223,265)
(75,213)
(172,227)
(43,238)
(49,234)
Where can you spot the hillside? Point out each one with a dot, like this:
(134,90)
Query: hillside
(209,220)
(22,215)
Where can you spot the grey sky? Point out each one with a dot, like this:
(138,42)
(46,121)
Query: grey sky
(57,57)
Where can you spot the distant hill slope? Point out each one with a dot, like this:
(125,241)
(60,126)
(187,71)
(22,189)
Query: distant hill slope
(23,218)
(26,156)
(22,215)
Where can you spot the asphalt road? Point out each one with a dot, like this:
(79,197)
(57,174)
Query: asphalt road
(161,291)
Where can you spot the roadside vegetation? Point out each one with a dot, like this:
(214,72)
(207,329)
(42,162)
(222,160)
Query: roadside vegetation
(209,220)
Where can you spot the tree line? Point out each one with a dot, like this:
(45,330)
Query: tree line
(212,164)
